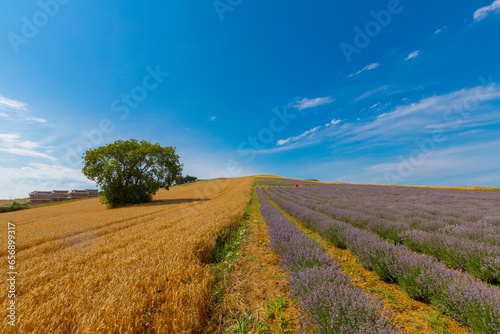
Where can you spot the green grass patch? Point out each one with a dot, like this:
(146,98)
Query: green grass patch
(227,250)
(224,256)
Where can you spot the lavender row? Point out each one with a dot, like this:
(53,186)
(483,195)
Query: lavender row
(477,231)
(281,182)
(330,303)
(427,218)
(466,299)
(480,231)
(450,205)
(481,260)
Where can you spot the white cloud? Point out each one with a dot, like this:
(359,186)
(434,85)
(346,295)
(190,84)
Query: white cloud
(366,68)
(483,12)
(304,139)
(31,119)
(18,111)
(27,153)
(412,55)
(13,144)
(213,118)
(455,165)
(8,104)
(19,182)
(454,110)
(12,140)
(305,134)
(333,122)
(459,110)
(306,103)
(440,30)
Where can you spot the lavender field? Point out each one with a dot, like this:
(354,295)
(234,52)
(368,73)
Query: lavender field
(330,303)
(440,245)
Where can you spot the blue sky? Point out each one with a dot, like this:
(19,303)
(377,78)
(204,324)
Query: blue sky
(391,92)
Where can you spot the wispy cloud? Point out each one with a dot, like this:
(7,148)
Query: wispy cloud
(307,103)
(439,167)
(31,119)
(299,137)
(306,135)
(412,55)
(17,110)
(380,89)
(333,122)
(13,144)
(213,118)
(366,68)
(483,12)
(440,30)
(13,140)
(8,104)
(459,110)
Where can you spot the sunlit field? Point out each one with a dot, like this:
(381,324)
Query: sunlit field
(82,268)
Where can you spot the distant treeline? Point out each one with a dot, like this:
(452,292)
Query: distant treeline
(14,207)
(185,179)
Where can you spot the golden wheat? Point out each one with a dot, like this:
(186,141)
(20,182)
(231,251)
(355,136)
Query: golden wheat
(84,269)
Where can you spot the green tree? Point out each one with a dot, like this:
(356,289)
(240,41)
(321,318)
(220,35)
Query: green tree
(185,179)
(131,172)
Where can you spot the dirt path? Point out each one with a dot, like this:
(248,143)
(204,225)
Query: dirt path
(257,299)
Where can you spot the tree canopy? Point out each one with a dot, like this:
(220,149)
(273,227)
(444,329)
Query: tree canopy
(185,179)
(130,172)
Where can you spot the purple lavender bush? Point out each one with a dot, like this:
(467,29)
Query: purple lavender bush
(469,246)
(330,304)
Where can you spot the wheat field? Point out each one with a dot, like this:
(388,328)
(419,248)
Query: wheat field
(84,269)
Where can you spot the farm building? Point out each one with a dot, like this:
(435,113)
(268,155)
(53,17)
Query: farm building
(46,197)
(40,197)
(59,195)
